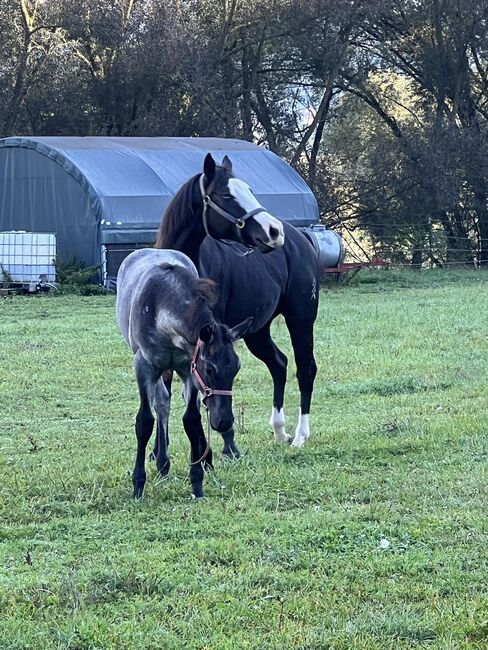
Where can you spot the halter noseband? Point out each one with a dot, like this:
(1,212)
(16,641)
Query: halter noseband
(239,222)
(205,390)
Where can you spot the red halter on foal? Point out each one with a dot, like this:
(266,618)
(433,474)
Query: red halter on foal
(205,390)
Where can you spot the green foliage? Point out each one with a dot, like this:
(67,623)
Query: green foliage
(74,272)
(380,105)
(6,276)
(288,549)
(73,276)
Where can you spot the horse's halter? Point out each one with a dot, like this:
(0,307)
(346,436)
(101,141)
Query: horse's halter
(239,222)
(205,390)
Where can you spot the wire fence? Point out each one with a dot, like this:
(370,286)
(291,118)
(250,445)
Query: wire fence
(413,245)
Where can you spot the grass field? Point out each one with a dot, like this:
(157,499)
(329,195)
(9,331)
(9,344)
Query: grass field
(374,535)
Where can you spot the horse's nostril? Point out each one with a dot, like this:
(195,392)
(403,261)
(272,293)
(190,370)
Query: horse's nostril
(274,233)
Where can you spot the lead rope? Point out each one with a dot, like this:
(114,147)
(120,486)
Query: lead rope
(207,449)
(213,475)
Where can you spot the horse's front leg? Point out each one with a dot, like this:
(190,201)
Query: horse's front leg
(201,454)
(230,449)
(262,346)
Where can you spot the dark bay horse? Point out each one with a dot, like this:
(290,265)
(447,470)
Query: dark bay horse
(163,311)
(261,284)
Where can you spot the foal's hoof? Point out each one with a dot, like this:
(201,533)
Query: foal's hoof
(197,493)
(138,493)
(284,439)
(231,453)
(163,471)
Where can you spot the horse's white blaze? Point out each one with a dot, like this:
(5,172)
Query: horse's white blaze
(246,199)
(277,421)
(302,432)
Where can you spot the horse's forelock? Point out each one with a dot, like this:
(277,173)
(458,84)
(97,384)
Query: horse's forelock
(220,338)
(222,177)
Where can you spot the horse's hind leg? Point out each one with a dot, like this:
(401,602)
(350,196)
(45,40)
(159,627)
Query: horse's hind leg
(161,406)
(146,378)
(261,345)
(167,379)
(301,333)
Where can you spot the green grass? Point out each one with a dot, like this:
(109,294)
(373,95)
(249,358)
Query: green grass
(285,550)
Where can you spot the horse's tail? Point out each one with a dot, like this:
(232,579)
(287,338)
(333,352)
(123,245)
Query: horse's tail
(312,240)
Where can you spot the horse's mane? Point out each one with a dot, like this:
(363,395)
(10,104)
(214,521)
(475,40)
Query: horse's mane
(177,216)
(202,294)
(199,312)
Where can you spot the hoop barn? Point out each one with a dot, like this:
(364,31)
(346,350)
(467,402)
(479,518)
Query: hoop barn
(103,197)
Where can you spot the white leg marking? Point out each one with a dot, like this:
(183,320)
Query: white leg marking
(302,432)
(277,421)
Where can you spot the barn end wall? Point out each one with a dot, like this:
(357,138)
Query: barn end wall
(38,194)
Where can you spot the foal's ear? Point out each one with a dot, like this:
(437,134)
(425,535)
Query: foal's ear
(206,333)
(226,164)
(242,329)
(209,167)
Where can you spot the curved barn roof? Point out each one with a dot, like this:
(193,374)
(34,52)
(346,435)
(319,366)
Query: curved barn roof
(130,181)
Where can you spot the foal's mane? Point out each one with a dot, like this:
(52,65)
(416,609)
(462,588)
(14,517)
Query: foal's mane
(177,217)
(203,297)
(200,310)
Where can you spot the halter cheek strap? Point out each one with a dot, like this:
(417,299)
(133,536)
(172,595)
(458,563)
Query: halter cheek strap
(205,390)
(239,222)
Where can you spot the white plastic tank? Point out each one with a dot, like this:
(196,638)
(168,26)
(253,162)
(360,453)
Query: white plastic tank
(328,243)
(28,256)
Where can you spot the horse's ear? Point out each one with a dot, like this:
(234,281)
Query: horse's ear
(206,333)
(238,331)
(226,164)
(209,167)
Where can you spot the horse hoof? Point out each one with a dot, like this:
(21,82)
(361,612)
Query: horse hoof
(164,470)
(231,454)
(138,494)
(284,439)
(298,442)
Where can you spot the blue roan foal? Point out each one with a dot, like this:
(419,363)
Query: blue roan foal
(164,314)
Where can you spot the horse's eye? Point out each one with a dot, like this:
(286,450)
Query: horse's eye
(226,196)
(210,371)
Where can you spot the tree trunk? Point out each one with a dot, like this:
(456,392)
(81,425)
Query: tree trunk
(458,249)
(264,116)
(16,98)
(246,110)
(323,108)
